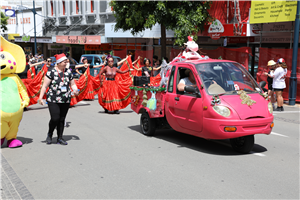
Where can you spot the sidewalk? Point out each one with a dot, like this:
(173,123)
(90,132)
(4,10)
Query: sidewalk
(11,185)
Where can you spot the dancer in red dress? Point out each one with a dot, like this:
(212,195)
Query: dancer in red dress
(114,93)
(147,70)
(88,85)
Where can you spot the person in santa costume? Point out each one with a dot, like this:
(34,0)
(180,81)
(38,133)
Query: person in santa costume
(59,79)
(114,93)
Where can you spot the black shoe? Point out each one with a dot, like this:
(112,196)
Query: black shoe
(282,108)
(106,111)
(279,109)
(117,112)
(48,140)
(61,141)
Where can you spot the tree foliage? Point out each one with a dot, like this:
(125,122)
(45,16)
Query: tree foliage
(183,17)
(3,22)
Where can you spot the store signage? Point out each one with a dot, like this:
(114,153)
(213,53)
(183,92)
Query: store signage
(229,30)
(102,47)
(41,40)
(216,29)
(239,39)
(80,39)
(25,38)
(56,46)
(269,29)
(272,11)
(10,12)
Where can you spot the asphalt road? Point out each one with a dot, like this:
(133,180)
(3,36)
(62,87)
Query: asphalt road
(108,158)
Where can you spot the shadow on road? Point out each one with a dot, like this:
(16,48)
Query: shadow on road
(65,137)
(24,140)
(216,147)
(112,112)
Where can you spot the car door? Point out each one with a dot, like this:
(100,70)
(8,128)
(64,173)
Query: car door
(185,110)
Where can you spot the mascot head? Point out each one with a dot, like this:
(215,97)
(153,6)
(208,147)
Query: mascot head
(12,58)
(191,44)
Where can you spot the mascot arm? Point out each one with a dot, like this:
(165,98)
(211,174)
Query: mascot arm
(23,92)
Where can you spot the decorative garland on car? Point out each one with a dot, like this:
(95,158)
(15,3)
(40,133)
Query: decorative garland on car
(152,89)
(215,100)
(245,98)
(264,95)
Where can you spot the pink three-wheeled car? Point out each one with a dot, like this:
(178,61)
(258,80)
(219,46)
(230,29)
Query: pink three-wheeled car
(226,103)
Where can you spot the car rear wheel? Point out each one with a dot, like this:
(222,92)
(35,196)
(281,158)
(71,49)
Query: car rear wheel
(243,144)
(148,125)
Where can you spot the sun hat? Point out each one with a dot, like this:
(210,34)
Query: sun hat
(60,57)
(271,63)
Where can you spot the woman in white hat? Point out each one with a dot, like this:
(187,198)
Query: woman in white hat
(59,79)
(271,65)
(279,85)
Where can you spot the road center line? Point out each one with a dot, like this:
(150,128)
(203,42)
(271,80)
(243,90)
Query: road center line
(273,133)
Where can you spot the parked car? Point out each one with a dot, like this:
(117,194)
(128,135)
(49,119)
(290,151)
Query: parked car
(225,103)
(95,59)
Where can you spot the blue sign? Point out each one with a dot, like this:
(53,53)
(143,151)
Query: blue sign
(10,12)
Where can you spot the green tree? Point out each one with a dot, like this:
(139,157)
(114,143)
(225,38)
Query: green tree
(3,22)
(183,17)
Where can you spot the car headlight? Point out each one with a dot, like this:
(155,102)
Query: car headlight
(270,107)
(222,110)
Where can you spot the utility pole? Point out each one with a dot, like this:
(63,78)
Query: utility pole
(293,78)
(34,13)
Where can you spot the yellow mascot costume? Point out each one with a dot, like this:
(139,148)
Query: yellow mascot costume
(13,97)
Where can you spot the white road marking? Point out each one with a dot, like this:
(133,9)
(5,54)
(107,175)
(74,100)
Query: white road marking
(273,133)
(257,154)
(284,112)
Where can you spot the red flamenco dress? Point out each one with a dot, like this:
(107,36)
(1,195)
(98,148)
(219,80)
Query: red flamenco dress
(115,94)
(83,85)
(155,81)
(34,85)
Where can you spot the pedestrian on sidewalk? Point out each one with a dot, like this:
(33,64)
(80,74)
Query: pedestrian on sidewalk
(59,79)
(271,65)
(279,84)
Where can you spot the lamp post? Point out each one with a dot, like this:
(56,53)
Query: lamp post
(293,78)
(34,13)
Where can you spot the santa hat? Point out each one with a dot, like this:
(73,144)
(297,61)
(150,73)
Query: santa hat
(280,60)
(60,57)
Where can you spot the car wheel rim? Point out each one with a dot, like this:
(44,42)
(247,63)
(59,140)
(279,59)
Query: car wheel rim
(145,124)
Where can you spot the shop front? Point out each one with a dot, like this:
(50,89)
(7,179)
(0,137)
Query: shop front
(75,45)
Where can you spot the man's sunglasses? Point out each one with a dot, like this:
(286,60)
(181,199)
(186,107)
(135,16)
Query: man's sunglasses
(110,61)
(48,60)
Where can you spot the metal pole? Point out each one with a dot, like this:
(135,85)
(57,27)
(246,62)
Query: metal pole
(293,78)
(33,10)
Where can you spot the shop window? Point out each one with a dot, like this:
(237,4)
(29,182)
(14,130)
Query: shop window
(92,6)
(64,7)
(51,3)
